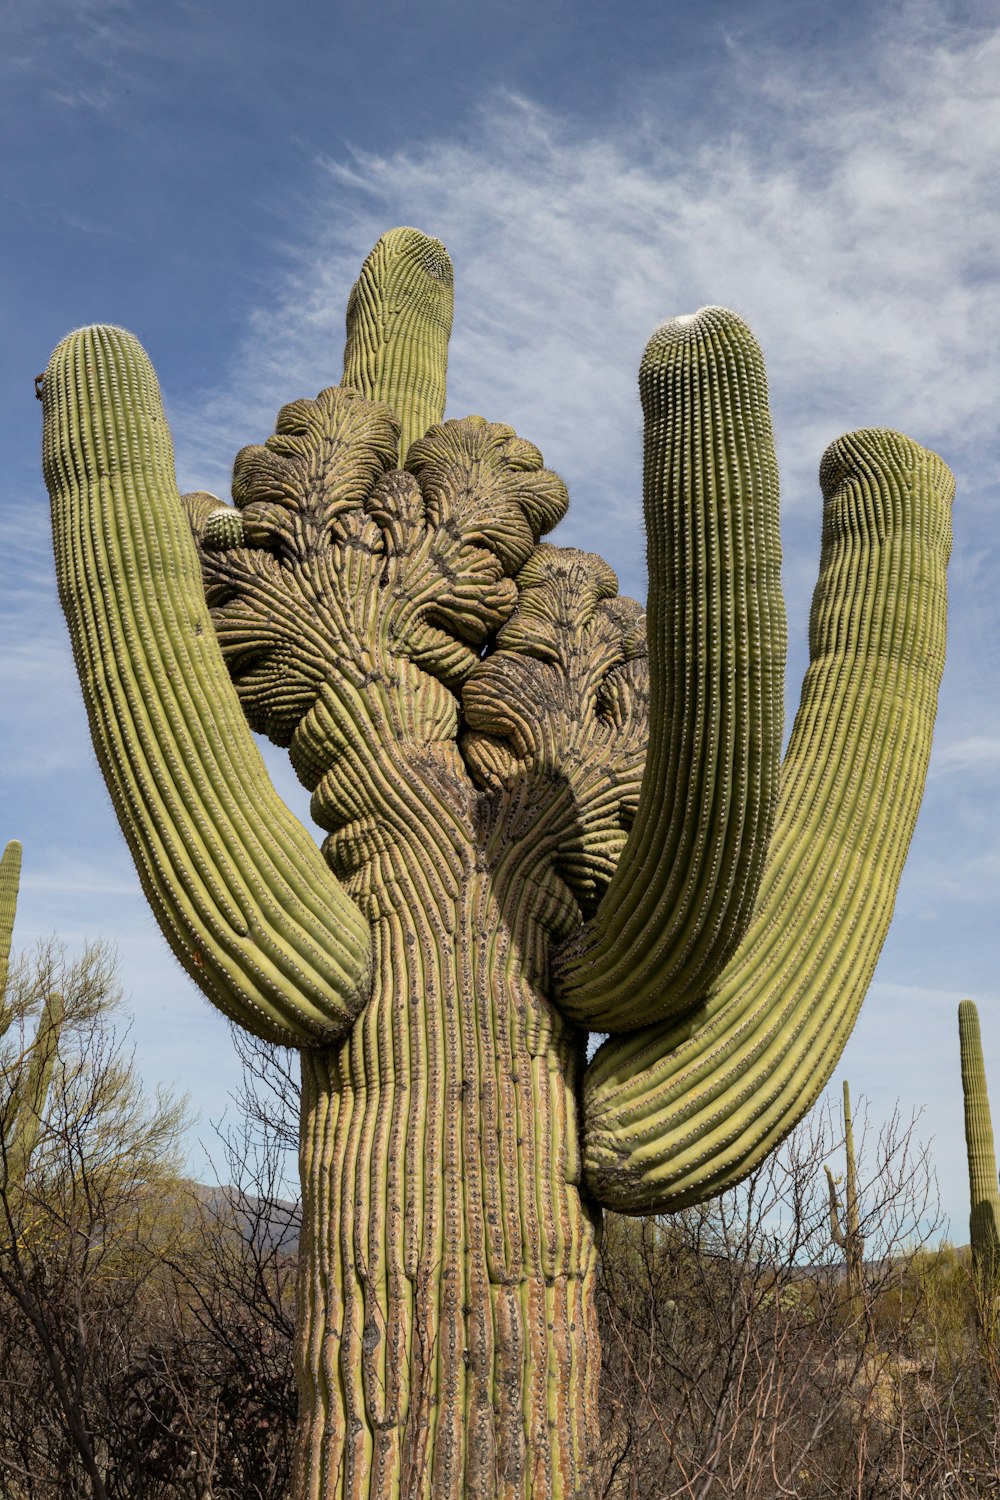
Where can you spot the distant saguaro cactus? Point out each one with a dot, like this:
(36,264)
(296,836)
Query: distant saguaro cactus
(544,814)
(984,1190)
(24,1084)
(845,1228)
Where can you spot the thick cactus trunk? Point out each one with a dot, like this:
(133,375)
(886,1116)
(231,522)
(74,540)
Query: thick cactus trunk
(448,1344)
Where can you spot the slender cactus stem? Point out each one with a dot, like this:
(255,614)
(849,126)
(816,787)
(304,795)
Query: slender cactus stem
(22,1107)
(10,880)
(984,1191)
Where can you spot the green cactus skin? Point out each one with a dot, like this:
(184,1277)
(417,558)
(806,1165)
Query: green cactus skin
(677,907)
(235,881)
(223,529)
(678,1112)
(984,1193)
(398,325)
(23,1106)
(847,1235)
(10,880)
(469,707)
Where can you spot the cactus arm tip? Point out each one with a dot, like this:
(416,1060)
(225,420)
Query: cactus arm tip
(399,317)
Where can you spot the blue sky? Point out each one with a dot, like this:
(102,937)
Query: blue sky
(211,177)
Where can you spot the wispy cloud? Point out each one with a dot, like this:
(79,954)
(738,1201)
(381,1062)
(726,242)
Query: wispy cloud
(71,880)
(978,754)
(73,47)
(890,998)
(855,229)
(82,98)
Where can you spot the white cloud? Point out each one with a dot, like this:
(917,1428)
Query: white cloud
(98,99)
(978,754)
(856,230)
(74,49)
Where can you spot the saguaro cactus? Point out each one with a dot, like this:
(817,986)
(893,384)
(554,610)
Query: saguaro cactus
(26,1075)
(845,1227)
(10,880)
(543,814)
(984,1191)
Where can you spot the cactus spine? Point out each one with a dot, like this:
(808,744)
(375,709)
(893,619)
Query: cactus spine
(26,1077)
(847,1233)
(470,707)
(984,1192)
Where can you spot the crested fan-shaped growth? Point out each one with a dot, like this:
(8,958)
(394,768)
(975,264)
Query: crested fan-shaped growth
(546,811)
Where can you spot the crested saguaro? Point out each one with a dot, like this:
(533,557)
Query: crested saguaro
(546,812)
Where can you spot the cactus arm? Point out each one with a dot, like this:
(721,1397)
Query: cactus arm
(237,885)
(984,1194)
(10,878)
(836,1233)
(398,326)
(678,1112)
(685,886)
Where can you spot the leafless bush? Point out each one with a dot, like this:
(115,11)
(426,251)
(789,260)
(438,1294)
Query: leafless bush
(85,1219)
(146,1325)
(739,1361)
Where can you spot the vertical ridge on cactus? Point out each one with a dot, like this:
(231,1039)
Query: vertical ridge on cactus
(984,1190)
(683,892)
(470,706)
